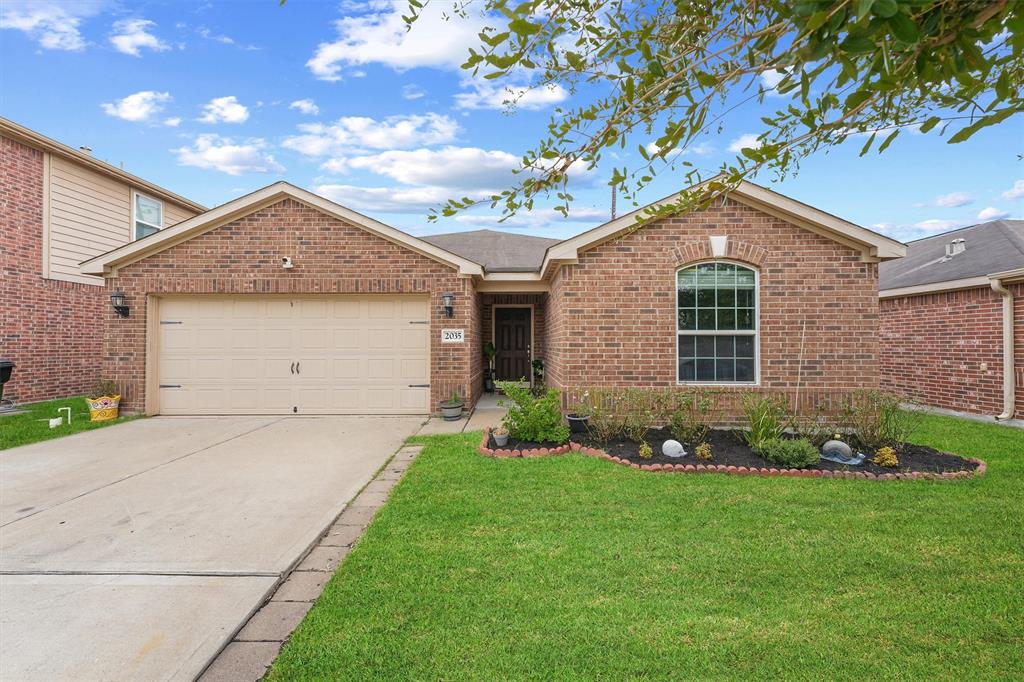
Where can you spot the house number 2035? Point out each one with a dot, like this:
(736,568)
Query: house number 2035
(453,335)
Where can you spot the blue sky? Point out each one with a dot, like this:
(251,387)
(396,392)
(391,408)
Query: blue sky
(215,99)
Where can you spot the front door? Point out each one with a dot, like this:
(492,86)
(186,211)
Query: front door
(512,332)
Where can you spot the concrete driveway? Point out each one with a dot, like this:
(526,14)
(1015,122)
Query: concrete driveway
(136,551)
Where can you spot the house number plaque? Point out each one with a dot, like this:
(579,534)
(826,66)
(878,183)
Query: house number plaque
(453,335)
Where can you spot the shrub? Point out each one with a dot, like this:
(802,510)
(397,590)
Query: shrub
(797,453)
(645,451)
(638,410)
(822,424)
(767,416)
(599,405)
(104,387)
(879,420)
(703,452)
(886,457)
(533,418)
(694,415)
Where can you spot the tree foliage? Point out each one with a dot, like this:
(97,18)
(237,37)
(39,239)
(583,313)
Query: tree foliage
(669,72)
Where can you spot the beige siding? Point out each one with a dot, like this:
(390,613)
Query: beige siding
(89,214)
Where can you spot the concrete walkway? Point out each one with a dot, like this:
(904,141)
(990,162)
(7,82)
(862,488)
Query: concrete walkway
(486,413)
(139,550)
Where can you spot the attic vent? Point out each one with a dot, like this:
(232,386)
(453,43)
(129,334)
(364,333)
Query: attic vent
(956,246)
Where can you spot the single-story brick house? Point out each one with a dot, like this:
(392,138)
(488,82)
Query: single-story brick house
(284,302)
(952,320)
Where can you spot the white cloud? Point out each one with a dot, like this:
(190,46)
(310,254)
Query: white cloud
(993,213)
(936,225)
(537,219)
(745,141)
(131,35)
(412,92)
(453,167)
(351,133)
(226,109)
(139,106)
(214,152)
(305,106)
(380,36)
(172,122)
(392,199)
(770,80)
(1015,192)
(699,149)
(489,95)
(52,24)
(953,200)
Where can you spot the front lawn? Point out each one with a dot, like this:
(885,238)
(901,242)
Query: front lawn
(33,426)
(572,567)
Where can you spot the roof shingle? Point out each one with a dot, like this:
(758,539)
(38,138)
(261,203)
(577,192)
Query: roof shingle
(496,251)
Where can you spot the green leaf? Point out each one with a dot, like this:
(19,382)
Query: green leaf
(930,123)
(855,99)
(867,145)
(863,7)
(523,27)
(857,45)
(904,28)
(888,140)
(655,67)
(816,21)
(990,120)
(884,8)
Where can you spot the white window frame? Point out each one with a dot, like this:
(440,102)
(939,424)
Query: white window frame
(755,332)
(135,219)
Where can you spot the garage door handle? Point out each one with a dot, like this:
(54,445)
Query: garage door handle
(293,368)
(298,368)
(419,385)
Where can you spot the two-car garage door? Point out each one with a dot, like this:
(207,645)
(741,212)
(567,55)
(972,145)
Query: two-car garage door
(293,355)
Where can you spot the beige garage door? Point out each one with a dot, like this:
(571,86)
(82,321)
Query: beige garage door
(281,355)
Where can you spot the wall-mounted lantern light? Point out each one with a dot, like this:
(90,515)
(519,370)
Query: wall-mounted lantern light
(117,301)
(448,304)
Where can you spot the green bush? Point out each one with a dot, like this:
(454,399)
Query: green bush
(879,420)
(533,418)
(797,453)
(767,418)
(694,415)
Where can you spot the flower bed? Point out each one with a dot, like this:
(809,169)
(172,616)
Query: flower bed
(733,456)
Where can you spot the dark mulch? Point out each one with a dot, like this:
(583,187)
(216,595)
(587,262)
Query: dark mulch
(514,444)
(729,449)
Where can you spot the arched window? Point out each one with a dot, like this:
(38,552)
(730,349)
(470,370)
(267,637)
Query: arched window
(717,323)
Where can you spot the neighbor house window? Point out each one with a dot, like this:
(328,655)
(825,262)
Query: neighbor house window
(717,323)
(149,216)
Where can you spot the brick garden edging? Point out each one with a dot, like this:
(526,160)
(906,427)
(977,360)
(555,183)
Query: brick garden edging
(734,470)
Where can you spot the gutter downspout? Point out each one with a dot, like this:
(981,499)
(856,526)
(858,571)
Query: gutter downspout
(1009,379)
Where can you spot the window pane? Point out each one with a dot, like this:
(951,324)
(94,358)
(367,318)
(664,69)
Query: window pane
(726,318)
(745,370)
(706,318)
(687,369)
(688,319)
(705,347)
(687,298)
(744,318)
(725,346)
(726,298)
(744,298)
(745,277)
(688,278)
(705,298)
(148,211)
(144,230)
(744,346)
(705,370)
(724,370)
(686,346)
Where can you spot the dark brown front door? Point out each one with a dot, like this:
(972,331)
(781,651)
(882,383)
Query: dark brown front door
(512,344)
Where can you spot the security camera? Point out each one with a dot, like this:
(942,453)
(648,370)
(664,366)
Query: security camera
(286,263)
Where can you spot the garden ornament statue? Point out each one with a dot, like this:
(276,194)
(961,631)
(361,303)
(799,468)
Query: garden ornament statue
(673,448)
(840,452)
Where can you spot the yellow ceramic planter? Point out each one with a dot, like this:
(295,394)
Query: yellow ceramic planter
(103,408)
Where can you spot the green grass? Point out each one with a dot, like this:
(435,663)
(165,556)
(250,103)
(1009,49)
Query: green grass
(33,426)
(575,568)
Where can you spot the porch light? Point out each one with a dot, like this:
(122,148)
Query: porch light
(448,303)
(117,301)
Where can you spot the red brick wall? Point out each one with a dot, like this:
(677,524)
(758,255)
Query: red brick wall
(945,349)
(612,317)
(330,256)
(51,329)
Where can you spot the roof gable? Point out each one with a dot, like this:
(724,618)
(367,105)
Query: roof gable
(496,251)
(204,222)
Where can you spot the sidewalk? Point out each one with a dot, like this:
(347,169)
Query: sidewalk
(486,413)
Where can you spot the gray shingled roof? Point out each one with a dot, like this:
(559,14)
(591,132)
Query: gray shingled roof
(991,247)
(496,251)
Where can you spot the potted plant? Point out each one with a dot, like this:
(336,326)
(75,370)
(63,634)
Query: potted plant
(579,418)
(105,406)
(500,435)
(451,409)
(489,353)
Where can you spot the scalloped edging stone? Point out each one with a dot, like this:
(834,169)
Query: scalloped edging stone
(735,470)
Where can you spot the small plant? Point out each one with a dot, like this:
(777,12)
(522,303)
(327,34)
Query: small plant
(605,424)
(693,417)
(879,420)
(104,387)
(533,418)
(456,398)
(703,452)
(645,451)
(823,424)
(886,457)
(796,453)
(640,409)
(500,431)
(767,416)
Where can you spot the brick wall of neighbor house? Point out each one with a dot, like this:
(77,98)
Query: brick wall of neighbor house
(612,316)
(51,329)
(330,256)
(945,349)
(539,303)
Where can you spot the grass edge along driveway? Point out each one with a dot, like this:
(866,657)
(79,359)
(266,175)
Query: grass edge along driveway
(571,567)
(33,426)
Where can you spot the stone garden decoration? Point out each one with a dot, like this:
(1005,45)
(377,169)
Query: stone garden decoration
(673,448)
(838,451)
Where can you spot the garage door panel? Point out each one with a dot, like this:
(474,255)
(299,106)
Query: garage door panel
(235,355)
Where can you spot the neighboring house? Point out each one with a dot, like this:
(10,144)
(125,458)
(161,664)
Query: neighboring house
(953,320)
(58,207)
(284,302)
